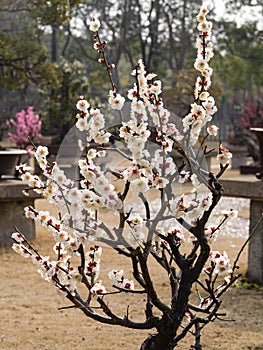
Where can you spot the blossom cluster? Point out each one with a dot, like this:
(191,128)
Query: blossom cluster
(76,205)
(118,279)
(92,122)
(191,209)
(92,269)
(204,106)
(219,264)
(58,272)
(224,157)
(116,101)
(26,125)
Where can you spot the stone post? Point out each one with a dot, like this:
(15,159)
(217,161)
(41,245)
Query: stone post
(255,247)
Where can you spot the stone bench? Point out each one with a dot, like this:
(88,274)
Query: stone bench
(240,154)
(247,186)
(12,203)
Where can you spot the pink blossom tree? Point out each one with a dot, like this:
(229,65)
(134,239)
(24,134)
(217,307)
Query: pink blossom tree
(252,113)
(25,126)
(171,230)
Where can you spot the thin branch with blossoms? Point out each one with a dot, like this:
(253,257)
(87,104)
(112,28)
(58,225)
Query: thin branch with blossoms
(151,222)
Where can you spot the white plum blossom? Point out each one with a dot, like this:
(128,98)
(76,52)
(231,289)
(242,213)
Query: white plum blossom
(200,64)
(97,120)
(135,219)
(139,107)
(164,166)
(204,96)
(209,105)
(131,173)
(204,26)
(200,17)
(195,181)
(221,263)
(94,25)
(16,236)
(230,213)
(98,289)
(156,87)
(171,130)
(92,263)
(102,137)
(82,124)
(206,202)
(82,105)
(224,157)
(183,176)
(203,10)
(118,280)
(140,185)
(151,76)
(116,276)
(198,87)
(160,182)
(132,94)
(178,207)
(196,118)
(212,130)
(128,284)
(175,230)
(116,101)
(211,233)
(41,151)
(20,249)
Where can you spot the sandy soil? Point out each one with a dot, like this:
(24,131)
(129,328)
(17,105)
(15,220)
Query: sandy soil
(30,318)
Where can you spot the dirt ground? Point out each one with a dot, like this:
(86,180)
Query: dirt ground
(30,318)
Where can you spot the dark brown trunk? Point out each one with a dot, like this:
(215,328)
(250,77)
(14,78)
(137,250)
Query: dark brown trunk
(170,323)
(157,341)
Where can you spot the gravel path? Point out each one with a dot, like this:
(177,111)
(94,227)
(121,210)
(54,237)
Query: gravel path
(238,227)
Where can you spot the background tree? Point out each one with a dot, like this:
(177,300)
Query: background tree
(139,29)
(242,53)
(29,60)
(47,34)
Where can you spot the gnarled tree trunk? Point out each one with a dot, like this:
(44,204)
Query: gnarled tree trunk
(157,341)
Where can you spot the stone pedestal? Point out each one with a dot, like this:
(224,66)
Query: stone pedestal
(255,248)
(9,159)
(239,156)
(259,133)
(245,186)
(12,203)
